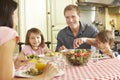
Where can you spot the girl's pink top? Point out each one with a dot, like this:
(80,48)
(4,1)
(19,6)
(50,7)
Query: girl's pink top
(7,34)
(27,50)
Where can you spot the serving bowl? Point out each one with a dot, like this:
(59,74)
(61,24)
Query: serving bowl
(77,57)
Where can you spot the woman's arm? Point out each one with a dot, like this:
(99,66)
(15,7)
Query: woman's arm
(6,58)
(21,60)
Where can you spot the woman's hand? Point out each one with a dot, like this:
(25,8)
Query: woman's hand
(21,60)
(50,71)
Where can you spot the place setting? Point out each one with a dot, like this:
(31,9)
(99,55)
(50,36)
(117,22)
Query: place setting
(37,64)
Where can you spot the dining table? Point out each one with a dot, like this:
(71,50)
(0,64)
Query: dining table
(103,69)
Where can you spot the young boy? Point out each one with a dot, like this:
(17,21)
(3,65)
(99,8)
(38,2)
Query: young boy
(103,41)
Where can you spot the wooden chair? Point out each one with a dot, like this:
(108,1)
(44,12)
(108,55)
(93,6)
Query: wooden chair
(23,43)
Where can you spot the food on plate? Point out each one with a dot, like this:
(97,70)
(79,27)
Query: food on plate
(33,60)
(33,56)
(53,54)
(78,56)
(38,69)
(33,72)
(37,60)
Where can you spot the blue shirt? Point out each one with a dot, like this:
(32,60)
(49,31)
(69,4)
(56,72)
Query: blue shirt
(65,36)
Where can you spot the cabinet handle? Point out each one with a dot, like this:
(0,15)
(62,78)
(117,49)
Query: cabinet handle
(53,26)
(48,13)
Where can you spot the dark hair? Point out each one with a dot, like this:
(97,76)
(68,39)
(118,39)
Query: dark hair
(7,8)
(37,31)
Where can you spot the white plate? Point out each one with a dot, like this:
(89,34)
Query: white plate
(21,73)
(105,57)
(64,50)
(41,55)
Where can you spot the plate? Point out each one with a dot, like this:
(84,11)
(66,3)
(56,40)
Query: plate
(100,58)
(20,73)
(64,50)
(41,55)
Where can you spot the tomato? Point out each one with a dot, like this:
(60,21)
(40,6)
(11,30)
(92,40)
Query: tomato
(86,53)
(77,54)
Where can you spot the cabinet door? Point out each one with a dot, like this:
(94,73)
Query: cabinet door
(32,13)
(57,18)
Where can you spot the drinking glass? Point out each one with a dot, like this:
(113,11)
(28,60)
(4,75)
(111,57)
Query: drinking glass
(95,55)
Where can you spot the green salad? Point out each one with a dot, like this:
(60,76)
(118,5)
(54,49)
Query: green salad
(32,56)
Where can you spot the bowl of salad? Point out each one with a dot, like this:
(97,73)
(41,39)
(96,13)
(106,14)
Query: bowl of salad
(77,57)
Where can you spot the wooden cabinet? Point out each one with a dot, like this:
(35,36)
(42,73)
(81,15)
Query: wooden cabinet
(112,20)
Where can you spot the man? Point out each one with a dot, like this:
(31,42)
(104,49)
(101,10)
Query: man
(75,29)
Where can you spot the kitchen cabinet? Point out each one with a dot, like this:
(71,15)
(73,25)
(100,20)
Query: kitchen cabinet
(32,13)
(114,18)
(114,13)
(114,10)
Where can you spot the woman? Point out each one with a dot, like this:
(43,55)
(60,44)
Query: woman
(8,40)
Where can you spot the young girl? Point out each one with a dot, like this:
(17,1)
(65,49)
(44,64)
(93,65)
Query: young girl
(103,41)
(34,44)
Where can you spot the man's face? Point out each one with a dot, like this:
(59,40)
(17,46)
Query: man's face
(72,18)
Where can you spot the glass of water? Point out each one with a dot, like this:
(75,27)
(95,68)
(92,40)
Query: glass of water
(95,55)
